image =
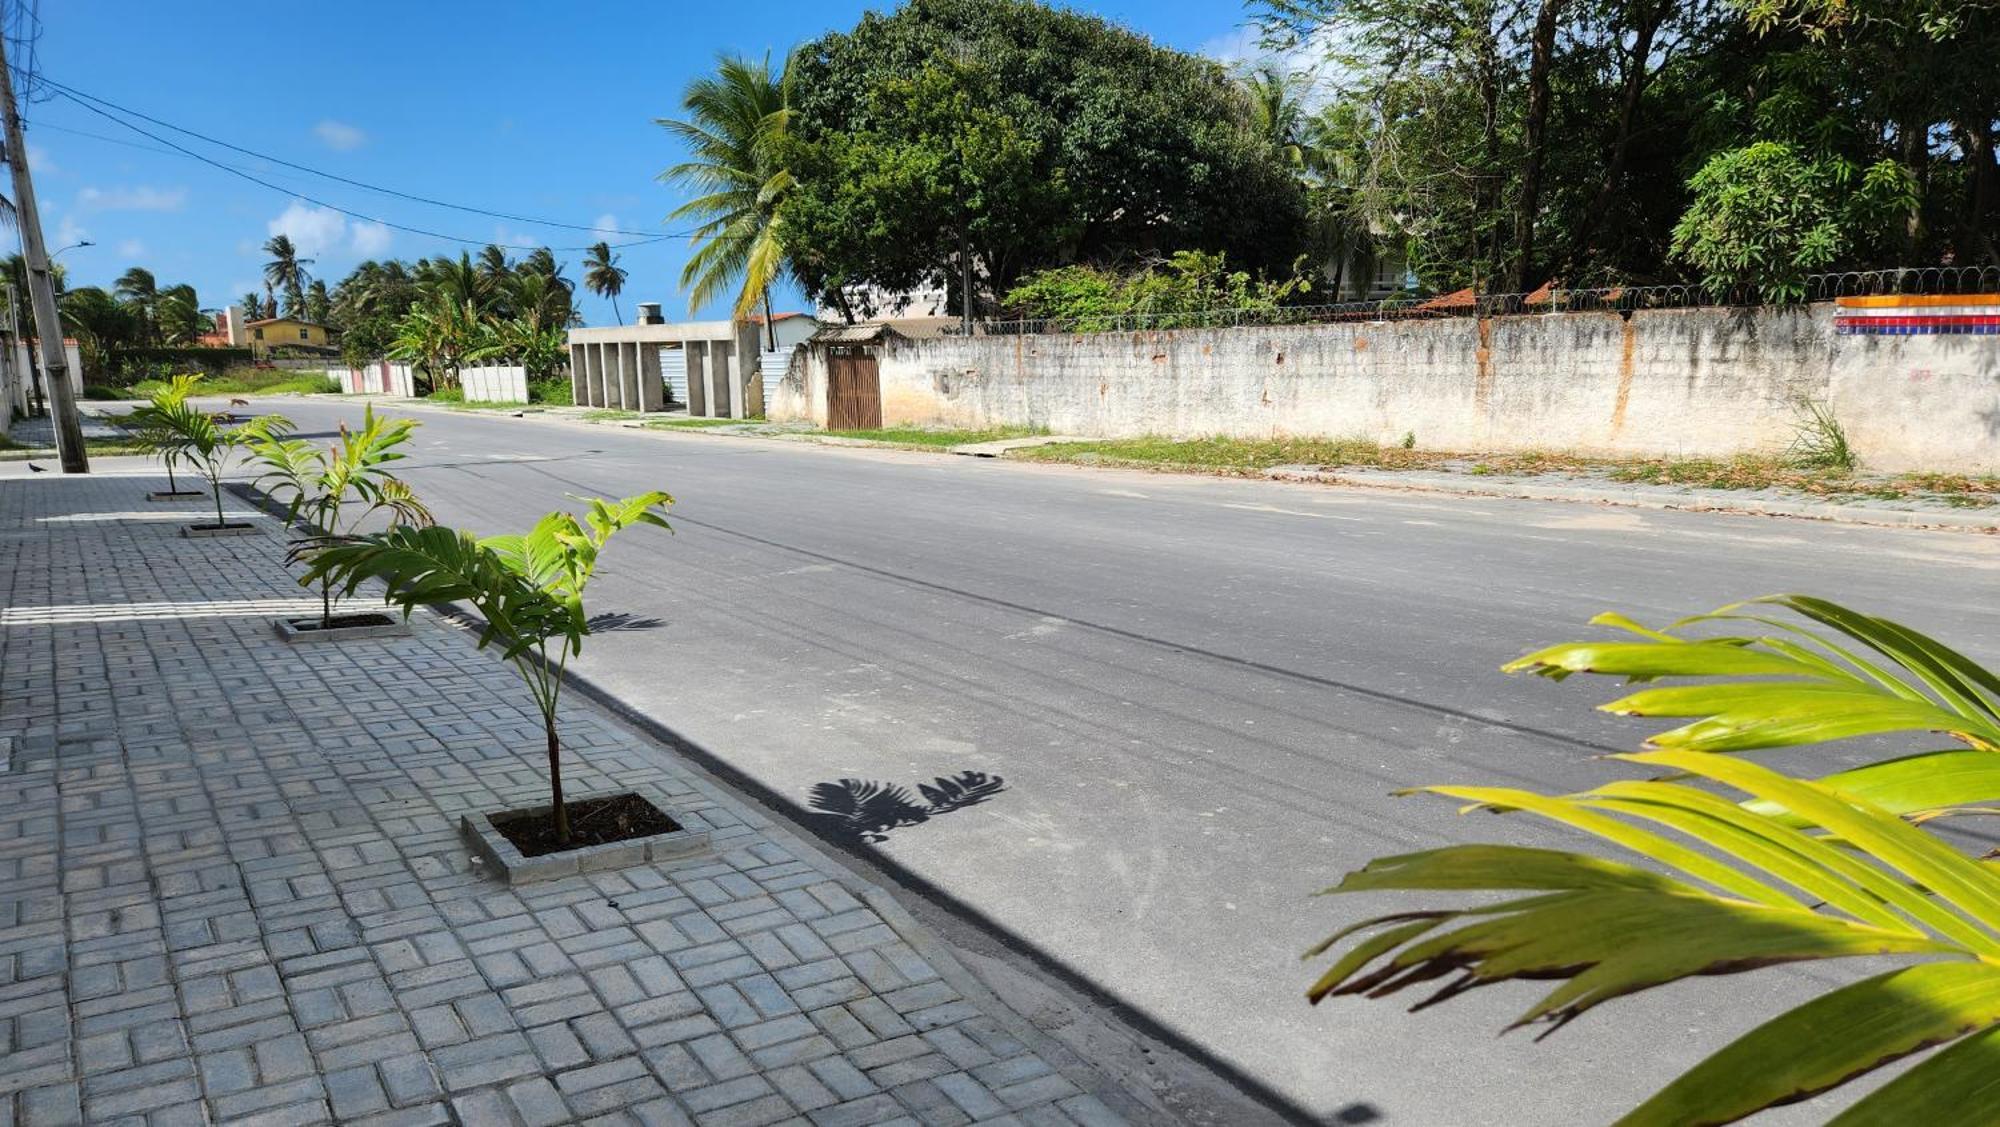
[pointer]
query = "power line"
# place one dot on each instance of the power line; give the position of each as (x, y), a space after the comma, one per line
(349, 212)
(75, 94)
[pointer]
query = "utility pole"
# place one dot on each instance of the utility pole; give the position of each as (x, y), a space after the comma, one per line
(41, 290)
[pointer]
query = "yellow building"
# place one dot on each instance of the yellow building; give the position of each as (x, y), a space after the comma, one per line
(281, 332)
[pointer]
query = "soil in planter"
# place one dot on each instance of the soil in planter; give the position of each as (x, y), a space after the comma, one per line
(343, 621)
(211, 526)
(592, 821)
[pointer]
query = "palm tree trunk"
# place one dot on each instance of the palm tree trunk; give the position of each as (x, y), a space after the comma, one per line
(215, 487)
(326, 603)
(770, 326)
(615, 311)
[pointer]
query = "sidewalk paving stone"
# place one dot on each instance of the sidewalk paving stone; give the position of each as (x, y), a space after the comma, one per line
(232, 888)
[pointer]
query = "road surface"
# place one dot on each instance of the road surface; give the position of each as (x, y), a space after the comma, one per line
(1198, 695)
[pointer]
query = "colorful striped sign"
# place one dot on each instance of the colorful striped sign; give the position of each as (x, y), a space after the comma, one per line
(1903, 315)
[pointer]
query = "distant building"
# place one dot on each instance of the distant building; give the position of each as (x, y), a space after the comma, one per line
(284, 332)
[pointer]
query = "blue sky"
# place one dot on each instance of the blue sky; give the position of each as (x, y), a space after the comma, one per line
(534, 109)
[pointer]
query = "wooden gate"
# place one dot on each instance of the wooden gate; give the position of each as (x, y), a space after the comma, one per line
(853, 390)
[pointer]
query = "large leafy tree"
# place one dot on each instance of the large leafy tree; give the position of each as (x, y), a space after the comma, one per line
(1053, 137)
(1743, 865)
(734, 133)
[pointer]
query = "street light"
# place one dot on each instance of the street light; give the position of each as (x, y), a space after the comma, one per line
(72, 246)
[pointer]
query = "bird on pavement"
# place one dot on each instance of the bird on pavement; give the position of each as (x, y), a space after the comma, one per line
(33, 468)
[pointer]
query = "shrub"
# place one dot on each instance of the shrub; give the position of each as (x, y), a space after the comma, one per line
(554, 391)
(446, 395)
(98, 392)
(1185, 291)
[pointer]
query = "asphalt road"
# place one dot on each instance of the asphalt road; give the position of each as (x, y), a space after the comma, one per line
(1198, 694)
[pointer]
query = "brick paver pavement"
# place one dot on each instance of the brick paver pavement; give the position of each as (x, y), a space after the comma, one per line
(232, 888)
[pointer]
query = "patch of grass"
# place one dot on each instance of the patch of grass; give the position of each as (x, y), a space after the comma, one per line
(932, 437)
(490, 405)
(1229, 455)
(608, 414)
(694, 423)
(446, 395)
(1746, 471)
(103, 446)
(251, 381)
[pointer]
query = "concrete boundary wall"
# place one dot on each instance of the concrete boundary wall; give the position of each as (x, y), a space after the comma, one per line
(494, 383)
(1688, 383)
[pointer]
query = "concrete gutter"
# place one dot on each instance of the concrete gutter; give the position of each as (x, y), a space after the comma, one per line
(1695, 500)
(1000, 446)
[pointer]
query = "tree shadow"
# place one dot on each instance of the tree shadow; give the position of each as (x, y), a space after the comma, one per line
(612, 622)
(866, 811)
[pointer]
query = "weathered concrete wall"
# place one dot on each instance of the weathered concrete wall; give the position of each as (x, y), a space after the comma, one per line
(1696, 382)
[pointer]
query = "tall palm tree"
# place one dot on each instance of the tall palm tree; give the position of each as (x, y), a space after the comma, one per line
(1277, 112)
(178, 315)
(736, 120)
(318, 303)
(253, 305)
(603, 277)
(542, 260)
(286, 273)
(140, 292)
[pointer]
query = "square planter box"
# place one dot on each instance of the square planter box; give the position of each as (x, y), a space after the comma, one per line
(301, 630)
(515, 867)
(177, 495)
(232, 528)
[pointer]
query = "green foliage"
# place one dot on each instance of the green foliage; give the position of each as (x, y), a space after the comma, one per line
(528, 589)
(1745, 866)
(1765, 216)
(555, 391)
(1431, 135)
(1187, 290)
(1820, 441)
(179, 433)
(1025, 137)
(319, 484)
(134, 364)
(97, 392)
(246, 380)
(734, 134)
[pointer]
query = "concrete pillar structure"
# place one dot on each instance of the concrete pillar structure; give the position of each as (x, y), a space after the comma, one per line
(697, 368)
(749, 392)
(727, 387)
(628, 376)
(652, 388)
(595, 358)
(579, 384)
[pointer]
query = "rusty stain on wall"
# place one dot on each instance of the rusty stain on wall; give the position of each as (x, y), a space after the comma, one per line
(1624, 379)
(1482, 386)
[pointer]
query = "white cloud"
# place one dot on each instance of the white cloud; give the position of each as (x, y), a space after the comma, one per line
(604, 227)
(39, 162)
(340, 136)
(313, 230)
(141, 198)
(515, 239)
(68, 232)
(131, 248)
(371, 239)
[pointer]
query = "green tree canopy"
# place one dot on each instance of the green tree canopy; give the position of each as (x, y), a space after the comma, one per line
(1029, 136)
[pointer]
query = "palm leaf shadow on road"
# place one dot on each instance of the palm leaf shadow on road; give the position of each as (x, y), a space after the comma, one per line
(861, 810)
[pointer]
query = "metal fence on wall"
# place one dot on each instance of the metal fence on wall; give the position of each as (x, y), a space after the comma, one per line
(1548, 299)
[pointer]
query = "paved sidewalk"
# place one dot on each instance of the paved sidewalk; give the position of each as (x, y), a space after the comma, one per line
(232, 888)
